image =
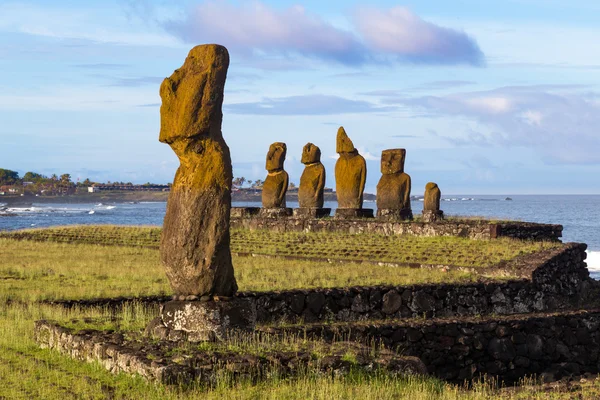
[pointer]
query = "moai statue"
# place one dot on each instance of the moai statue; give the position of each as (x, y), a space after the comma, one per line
(194, 247)
(431, 203)
(312, 183)
(393, 189)
(350, 178)
(276, 183)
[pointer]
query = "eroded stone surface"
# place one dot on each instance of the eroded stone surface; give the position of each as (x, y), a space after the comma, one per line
(277, 212)
(312, 181)
(312, 212)
(393, 189)
(195, 238)
(353, 213)
(350, 173)
(244, 212)
(276, 183)
(209, 320)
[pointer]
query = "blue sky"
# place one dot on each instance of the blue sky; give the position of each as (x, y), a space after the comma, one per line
(494, 97)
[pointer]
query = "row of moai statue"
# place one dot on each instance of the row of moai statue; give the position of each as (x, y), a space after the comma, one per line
(393, 189)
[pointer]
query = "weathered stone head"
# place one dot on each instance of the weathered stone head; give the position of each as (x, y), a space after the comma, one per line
(276, 156)
(310, 154)
(195, 239)
(392, 161)
(343, 143)
(192, 99)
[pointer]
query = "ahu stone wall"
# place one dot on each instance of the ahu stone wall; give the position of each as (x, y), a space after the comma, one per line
(550, 346)
(473, 229)
(556, 280)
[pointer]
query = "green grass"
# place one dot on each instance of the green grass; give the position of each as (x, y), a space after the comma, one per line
(32, 271)
(28, 372)
(407, 249)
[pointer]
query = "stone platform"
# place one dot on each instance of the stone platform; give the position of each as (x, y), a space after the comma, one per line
(311, 212)
(433, 216)
(178, 363)
(351, 213)
(275, 212)
(404, 214)
(198, 320)
(244, 212)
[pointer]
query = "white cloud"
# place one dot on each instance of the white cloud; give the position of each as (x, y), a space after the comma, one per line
(367, 155)
(566, 131)
(398, 31)
(254, 26)
(377, 35)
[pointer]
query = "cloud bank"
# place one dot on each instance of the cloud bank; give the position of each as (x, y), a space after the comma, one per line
(559, 122)
(395, 35)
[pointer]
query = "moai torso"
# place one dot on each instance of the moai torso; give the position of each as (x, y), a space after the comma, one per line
(433, 195)
(194, 248)
(276, 183)
(312, 181)
(393, 189)
(350, 173)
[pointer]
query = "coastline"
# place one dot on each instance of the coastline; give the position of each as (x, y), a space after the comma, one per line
(127, 197)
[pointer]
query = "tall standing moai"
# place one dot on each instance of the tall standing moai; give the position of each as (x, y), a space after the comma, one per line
(276, 184)
(431, 203)
(194, 246)
(350, 178)
(312, 184)
(393, 189)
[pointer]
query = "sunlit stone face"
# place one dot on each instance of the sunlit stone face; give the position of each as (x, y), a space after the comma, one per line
(392, 161)
(276, 156)
(310, 154)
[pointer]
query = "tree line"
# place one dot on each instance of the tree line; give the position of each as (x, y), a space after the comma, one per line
(239, 183)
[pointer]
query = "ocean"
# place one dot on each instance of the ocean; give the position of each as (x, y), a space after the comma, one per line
(579, 214)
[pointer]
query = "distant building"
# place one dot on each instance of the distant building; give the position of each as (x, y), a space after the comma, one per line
(93, 189)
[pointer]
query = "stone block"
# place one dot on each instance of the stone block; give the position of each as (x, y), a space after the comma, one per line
(277, 212)
(244, 212)
(350, 213)
(404, 214)
(212, 320)
(306, 212)
(432, 216)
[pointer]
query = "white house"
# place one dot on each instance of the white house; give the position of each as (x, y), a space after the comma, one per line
(93, 189)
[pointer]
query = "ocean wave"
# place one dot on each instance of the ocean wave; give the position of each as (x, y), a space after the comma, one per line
(593, 260)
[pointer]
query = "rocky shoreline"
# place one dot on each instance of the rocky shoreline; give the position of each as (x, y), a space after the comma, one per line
(125, 197)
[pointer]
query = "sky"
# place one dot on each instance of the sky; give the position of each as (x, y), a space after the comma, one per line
(495, 97)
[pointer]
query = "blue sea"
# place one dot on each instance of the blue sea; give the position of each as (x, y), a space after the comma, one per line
(579, 214)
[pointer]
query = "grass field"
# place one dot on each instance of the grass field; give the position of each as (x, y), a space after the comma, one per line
(350, 247)
(31, 271)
